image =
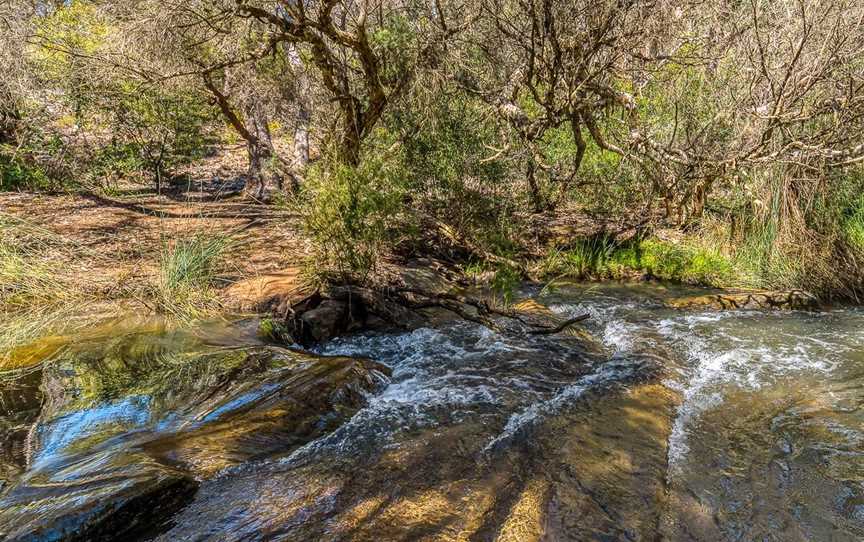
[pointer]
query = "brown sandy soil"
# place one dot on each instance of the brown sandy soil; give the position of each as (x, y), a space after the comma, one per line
(117, 240)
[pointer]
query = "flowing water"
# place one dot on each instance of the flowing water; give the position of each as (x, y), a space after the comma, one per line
(675, 425)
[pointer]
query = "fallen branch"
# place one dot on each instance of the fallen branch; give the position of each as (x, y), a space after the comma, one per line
(390, 304)
(560, 327)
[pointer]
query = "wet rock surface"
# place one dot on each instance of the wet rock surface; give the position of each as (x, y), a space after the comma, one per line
(20, 402)
(762, 300)
(126, 429)
(477, 459)
(679, 425)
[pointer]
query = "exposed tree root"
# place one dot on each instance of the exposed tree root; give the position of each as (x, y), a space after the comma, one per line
(351, 308)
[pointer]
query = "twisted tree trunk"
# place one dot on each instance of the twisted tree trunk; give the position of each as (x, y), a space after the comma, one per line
(263, 178)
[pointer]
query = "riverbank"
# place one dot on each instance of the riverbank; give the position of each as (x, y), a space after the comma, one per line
(195, 252)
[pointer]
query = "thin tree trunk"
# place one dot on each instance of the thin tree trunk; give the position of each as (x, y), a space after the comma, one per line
(263, 178)
(536, 197)
(301, 139)
(303, 116)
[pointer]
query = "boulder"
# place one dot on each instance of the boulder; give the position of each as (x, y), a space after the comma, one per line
(323, 322)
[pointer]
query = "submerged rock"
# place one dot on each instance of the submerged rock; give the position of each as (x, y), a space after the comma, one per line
(129, 428)
(587, 462)
(127, 500)
(772, 300)
(20, 402)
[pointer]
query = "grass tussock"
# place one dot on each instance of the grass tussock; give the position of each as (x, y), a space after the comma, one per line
(598, 259)
(188, 271)
(26, 279)
(32, 268)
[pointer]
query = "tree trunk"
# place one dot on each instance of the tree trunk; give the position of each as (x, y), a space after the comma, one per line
(9, 120)
(301, 139)
(302, 117)
(263, 179)
(534, 188)
(352, 134)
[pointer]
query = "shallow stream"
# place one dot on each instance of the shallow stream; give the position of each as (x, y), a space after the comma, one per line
(675, 425)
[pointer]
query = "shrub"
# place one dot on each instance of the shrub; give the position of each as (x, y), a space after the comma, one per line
(600, 258)
(17, 174)
(853, 226)
(351, 213)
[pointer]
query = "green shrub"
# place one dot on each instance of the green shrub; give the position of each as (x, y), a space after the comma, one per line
(17, 174)
(600, 258)
(35, 163)
(505, 282)
(352, 214)
(853, 226)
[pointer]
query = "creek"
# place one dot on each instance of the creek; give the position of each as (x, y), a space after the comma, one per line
(672, 425)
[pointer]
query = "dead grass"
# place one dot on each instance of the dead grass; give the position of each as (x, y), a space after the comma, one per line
(80, 249)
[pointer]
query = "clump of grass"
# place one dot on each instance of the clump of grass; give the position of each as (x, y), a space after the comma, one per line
(853, 227)
(27, 274)
(585, 259)
(187, 272)
(685, 263)
(23, 278)
(603, 259)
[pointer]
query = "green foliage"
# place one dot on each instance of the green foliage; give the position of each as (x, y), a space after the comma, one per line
(584, 259)
(131, 126)
(352, 213)
(444, 140)
(759, 257)
(116, 160)
(678, 262)
(74, 31)
(155, 129)
(454, 175)
(600, 258)
(394, 41)
(35, 163)
(853, 226)
(17, 174)
(273, 330)
(505, 281)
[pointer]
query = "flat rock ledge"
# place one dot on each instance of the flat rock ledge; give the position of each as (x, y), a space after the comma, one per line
(752, 300)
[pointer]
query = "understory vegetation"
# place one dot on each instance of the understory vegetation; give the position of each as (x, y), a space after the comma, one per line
(38, 285)
(702, 142)
(188, 269)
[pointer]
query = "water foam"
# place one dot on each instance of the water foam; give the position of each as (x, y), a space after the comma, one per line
(721, 358)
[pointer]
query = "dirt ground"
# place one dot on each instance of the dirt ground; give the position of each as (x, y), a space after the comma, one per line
(119, 238)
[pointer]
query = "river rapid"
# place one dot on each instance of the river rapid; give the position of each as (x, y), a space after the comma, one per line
(670, 425)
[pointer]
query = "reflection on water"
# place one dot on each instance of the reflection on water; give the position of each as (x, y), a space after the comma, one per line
(121, 421)
(689, 426)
